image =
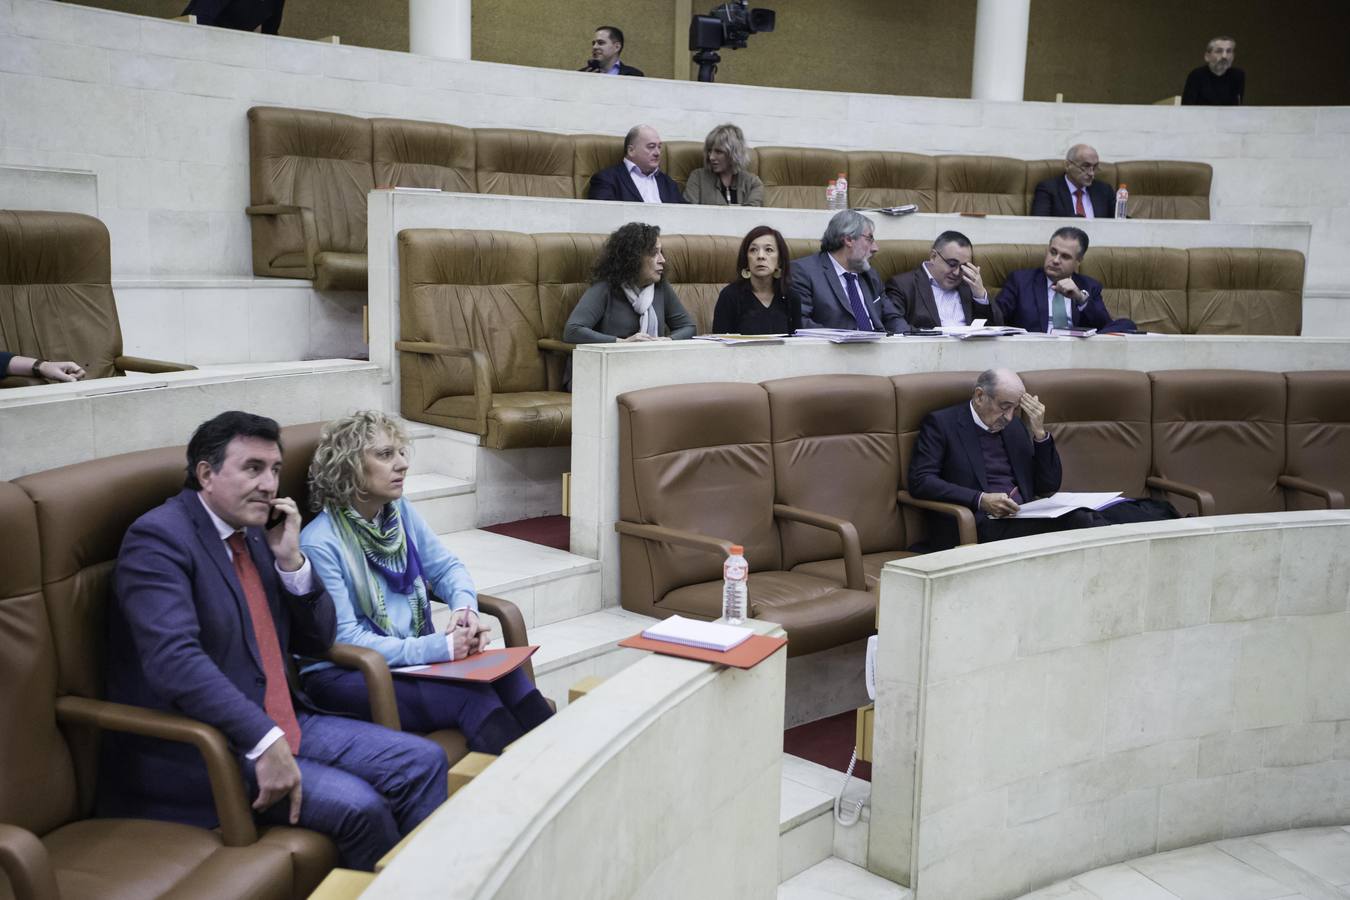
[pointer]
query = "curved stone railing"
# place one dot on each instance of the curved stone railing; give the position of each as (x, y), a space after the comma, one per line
(661, 782)
(1054, 704)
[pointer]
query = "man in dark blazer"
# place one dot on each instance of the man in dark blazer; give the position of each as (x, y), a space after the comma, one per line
(1035, 299)
(241, 15)
(206, 608)
(945, 290)
(638, 176)
(606, 45)
(1077, 192)
(990, 455)
(838, 287)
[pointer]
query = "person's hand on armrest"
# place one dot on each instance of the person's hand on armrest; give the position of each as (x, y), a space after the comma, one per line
(278, 775)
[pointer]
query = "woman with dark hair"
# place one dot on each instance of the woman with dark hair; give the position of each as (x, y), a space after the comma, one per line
(629, 300)
(760, 301)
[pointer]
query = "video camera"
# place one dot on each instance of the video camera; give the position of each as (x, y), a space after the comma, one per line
(728, 25)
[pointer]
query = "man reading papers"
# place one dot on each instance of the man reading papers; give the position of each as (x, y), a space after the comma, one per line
(994, 453)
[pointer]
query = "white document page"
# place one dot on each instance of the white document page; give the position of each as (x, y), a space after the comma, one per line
(1056, 505)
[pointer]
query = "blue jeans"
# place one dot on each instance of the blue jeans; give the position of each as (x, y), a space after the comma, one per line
(362, 785)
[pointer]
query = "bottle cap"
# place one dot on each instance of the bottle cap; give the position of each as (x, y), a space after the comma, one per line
(831, 181)
(737, 550)
(841, 175)
(1122, 186)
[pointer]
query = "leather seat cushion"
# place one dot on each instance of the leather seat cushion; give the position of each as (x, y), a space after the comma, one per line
(833, 569)
(525, 419)
(452, 741)
(892, 178)
(130, 859)
(335, 271)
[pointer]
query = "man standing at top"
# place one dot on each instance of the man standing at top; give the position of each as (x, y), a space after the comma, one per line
(1077, 193)
(838, 287)
(605, 49)
(638, 176)
(1217, 82)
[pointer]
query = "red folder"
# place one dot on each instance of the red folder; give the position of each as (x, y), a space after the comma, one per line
(745, 655)
(486, 666)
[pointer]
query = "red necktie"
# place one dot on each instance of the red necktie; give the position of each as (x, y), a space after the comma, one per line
(1078, 202)
(277, 699)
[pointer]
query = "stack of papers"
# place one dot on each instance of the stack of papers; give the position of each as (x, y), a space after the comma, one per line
(741, 338)
(693, 633)
(840, 335)
(1073, 332)
(967, 332)
(1056, 505)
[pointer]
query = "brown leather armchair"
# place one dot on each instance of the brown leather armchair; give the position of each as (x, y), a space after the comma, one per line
(405, 153)
(1166, 189)
(471, 328)
(524, 163)
(795, 177)
(836, 453)
(1244, 291)
(1146, 284)
(56, 297)
(698, 267)
(1317, 440)
(590, 154)
(995, 185)
(310, 173)
(691, 485)
(891, 178)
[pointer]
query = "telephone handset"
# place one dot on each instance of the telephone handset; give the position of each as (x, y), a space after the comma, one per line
(870, 678)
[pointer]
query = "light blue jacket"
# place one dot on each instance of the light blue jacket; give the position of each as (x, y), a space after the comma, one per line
(442, 573)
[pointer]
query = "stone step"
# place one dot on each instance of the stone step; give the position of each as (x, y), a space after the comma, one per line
(834, 879)
(848, 842)
(448, 504)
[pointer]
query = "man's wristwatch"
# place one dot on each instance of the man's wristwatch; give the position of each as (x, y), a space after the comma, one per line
(37, 364)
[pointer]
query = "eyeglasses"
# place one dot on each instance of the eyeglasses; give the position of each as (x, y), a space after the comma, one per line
(949, 263)
(1084, 167)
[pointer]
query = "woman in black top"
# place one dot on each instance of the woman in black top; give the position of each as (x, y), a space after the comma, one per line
(760, 301)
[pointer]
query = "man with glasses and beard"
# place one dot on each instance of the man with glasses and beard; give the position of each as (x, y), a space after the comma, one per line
(1077, 193)
(946, 289)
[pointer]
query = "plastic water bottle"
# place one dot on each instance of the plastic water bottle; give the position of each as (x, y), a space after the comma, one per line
(841, 191)
(1122, 201)
(735, 575)
(832, 195)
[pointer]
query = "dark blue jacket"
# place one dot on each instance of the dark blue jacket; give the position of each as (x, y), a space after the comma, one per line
(1024, 305)
(615, 183)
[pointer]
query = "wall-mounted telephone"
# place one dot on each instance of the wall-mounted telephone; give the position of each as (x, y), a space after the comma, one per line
(870, 678)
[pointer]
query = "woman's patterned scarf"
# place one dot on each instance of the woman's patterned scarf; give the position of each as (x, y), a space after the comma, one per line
(381, 548)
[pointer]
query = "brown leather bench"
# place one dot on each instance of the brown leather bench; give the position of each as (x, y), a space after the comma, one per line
(797, 470)
(505, 296)
(310, 172)
(56, 296)
(64, 527)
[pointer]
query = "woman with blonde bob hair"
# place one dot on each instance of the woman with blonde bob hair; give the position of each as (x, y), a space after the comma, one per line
(381, 563)
(725, 178)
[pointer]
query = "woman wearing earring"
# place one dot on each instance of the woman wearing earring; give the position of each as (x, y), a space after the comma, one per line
(380, 563)
(760, 301)
(724, 179)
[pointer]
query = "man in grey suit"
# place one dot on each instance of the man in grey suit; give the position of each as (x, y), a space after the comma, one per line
(837, 286)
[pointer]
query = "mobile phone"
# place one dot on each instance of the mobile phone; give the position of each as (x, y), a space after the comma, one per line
(275, 518)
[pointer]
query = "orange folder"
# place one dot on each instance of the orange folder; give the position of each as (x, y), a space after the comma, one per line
(486, 666)
(746, 655)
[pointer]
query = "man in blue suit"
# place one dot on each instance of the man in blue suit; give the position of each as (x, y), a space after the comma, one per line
(838, 287)
(206, 608)
(991, 454)
(1056, 295)
(637, 177)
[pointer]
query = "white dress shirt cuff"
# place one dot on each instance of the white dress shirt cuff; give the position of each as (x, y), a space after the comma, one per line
(300, 582)
(268, 740)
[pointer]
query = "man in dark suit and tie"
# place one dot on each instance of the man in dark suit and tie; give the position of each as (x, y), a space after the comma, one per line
(638, 176)
(207, 607)
(838, 287)
(991, 455)
(945, 290)
(1056, 295)
(1077, 192)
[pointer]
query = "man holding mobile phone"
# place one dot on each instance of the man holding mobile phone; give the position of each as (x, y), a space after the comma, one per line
(946, 289)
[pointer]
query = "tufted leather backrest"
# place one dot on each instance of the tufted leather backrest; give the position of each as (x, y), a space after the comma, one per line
(1166, 189)
(476, 289)
(796, 177)
(590, 154)
(56, 298)
(835, 452)
(679, 158)
(995, 185)
(996, 261)
(524, 163)
(695, 457)
(897, 257)
(37, 779)
(1222, 430)
(318, 160)
(1102, 424)
(698, 267)
(423, 154)
(565, 263)
(1146, 284)
(891, 178)
(1317, 435)
(1244, 291)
